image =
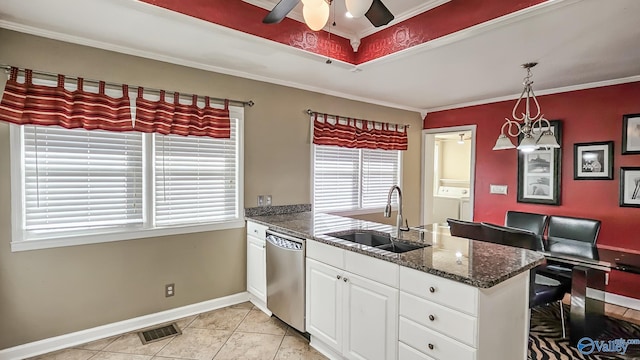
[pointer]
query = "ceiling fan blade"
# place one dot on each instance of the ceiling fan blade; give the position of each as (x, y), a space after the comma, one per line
(280, 11)
(378, 14)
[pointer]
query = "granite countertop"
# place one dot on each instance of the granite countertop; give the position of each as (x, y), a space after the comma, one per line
(475, 263)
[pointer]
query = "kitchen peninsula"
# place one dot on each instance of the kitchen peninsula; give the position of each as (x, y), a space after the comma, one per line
(451, 298)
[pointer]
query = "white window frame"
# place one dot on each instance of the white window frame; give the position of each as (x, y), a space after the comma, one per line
(62, 239)
(359, 211)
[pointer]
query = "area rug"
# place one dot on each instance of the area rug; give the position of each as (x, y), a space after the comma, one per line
(546, 342)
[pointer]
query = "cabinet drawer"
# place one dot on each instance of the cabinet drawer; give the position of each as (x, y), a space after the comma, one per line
(433, 344)
(445, 292)
(455, 324)
(257, 230)
(375, 269)
(406, 352)
(327, 254)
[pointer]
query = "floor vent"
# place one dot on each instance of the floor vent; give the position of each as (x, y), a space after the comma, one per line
(159, 333)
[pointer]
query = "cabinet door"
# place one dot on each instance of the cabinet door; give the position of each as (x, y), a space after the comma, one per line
(256, 268)
(324, 303)
(371, 319)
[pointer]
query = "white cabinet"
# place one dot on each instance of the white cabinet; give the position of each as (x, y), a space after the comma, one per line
(324, 303)
(442, 319)
(371, 315)
(349, 315)
(256, 264)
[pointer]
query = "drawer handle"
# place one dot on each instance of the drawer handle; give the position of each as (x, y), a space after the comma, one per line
(345, 279)
(430, 346)
(432, 289)
(432, 318)
(338, 277)
(255, 231)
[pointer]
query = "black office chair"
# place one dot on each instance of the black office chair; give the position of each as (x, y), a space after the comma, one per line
(569, 236)
(542, 290)
(535, 223)
(465, 229)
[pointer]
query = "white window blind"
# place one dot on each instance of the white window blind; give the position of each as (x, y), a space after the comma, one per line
(80, 180)
(351, 179)
(336, 178)
(379, 173)
(195, 178)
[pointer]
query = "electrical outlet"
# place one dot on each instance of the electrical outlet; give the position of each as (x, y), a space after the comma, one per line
(169, 290)
(268, 202)
(260, 200)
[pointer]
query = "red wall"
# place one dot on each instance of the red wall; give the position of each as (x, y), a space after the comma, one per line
(587, 116)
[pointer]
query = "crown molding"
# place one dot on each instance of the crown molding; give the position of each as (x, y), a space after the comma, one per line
(198, 65)
(475, 30)
(539, 93)
(428, 5)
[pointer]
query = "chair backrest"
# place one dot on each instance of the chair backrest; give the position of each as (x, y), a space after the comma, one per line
(579, 229)
(535, 223)
(465, 229)
(511, 236)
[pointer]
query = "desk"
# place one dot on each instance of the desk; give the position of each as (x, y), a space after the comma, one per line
(590, 267)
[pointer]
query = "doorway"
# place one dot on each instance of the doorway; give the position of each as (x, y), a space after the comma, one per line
(448, 170)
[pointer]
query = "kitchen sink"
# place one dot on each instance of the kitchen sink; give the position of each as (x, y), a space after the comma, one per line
(365, 238)
(377, 240)
(400, 247)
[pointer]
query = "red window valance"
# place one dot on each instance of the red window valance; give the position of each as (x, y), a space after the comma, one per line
(363, 134)
(181, 119)
(30, 104)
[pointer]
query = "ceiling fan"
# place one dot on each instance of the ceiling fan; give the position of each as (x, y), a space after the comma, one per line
(377, 13)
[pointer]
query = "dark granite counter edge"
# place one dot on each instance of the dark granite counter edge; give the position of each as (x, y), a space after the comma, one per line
(282, 230)
(395, 258)
(474, 283)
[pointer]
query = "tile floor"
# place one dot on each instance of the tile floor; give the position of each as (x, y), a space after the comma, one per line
(235, 332)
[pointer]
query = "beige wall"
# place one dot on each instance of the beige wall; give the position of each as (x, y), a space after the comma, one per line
(455, 159)
(44, 293)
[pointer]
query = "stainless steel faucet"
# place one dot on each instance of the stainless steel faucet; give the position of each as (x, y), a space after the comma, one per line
(387, 210)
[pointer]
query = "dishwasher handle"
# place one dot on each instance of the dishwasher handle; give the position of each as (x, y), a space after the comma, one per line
(285, 243)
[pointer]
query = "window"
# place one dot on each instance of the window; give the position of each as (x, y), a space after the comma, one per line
(77, 186)
(195, 179)
(353, 179)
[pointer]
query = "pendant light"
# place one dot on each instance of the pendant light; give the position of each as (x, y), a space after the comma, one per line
(535, 129)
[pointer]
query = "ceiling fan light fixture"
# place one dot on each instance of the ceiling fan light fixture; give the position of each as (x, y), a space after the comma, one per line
(316, 17)
(312, 3)
(358, 8)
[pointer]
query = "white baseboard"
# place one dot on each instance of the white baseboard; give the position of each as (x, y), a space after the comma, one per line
(620, 300)
(100, 332)
(324, 349)
(259, 304)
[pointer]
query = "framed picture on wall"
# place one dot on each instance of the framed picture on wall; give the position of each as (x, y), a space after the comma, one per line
(631, 134)
(630, 186)
(539, 171)
(593, 161)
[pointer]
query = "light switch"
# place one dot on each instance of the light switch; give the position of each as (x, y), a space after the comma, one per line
(498, 189)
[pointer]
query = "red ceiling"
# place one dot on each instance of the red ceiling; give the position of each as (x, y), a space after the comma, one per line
(445, 19)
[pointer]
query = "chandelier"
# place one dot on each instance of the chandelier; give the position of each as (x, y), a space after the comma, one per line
(316, 12)
(535, 129)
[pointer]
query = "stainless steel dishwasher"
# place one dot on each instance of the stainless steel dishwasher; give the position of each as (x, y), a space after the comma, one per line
(286, 278)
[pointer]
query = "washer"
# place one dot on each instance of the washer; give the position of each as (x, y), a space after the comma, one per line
(448, 203)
